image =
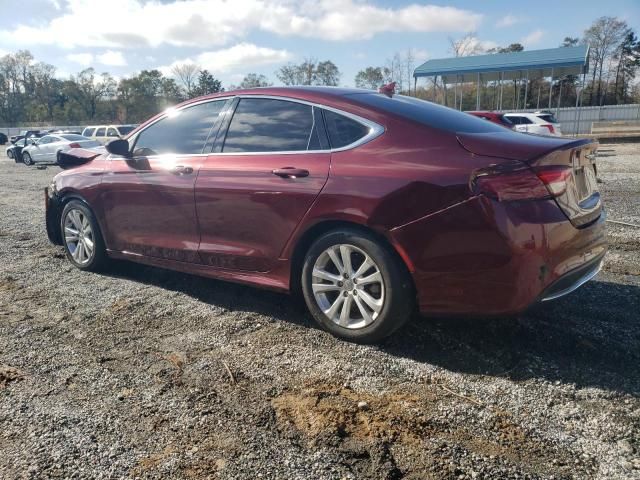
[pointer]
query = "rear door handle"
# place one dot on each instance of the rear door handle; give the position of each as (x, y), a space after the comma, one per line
(290, 172)
(181, 170)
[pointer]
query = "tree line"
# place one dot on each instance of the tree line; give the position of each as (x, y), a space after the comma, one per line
(30, 92)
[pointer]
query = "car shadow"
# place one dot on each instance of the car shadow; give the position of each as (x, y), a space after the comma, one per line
(589, 338)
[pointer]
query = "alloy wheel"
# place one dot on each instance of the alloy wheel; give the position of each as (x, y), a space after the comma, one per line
(78, 236)
(348, 286)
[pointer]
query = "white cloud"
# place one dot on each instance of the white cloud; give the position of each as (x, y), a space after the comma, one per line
(207, 23)
(508, 21)
(84, 59)
(533, 38)
(243, 56)
(112, 58)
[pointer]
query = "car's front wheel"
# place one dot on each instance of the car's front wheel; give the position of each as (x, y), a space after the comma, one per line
(356, 287)
(10, 154)
(81, 237)
(26, 159)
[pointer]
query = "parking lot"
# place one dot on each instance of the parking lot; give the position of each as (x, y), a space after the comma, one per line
(154, 374)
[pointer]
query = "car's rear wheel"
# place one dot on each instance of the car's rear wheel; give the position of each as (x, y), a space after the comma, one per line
(355, 287)
(26, 159)
(10, 154)
(81, 237)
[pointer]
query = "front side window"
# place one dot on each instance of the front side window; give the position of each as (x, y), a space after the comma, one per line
(111, 132)
(182, 131)
(88, 132)
(100, 132)
(45, 140)
(271, 125)
(343, 130)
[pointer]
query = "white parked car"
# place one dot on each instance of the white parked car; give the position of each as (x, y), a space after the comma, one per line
(47, 148)
(539, 123)
(105, 133)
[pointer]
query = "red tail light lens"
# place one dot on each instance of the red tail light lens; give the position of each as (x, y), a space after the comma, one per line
(550, 127)
(521, 183)
(75, 145)
(555, 178)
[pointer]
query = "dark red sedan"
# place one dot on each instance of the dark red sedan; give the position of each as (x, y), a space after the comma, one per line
(370, 205)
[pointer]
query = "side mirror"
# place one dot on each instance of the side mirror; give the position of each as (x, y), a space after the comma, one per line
(118, 147)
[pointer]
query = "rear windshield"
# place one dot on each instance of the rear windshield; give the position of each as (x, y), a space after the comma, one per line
(427, 113)
(125, 130)
(72, 137)
(548, 117)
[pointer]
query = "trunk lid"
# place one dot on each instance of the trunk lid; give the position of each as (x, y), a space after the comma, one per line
(580, 201)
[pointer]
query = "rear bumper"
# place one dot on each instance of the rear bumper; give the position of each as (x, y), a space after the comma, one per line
(483, 257)
(572, 280)
(53, 209)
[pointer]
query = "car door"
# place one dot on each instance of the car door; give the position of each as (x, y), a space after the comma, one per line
(40, 149)
(51, 149)
(148, 199)
(267, 168)
(101, 135)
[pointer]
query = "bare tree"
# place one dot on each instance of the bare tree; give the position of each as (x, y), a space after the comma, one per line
(604, 37)
(465, 46)
(187, 74)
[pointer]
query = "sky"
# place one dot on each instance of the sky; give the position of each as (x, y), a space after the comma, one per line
(233, 37)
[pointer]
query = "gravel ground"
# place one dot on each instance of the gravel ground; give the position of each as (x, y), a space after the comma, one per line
(144, 373)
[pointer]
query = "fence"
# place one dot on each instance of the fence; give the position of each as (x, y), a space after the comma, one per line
(607, 113)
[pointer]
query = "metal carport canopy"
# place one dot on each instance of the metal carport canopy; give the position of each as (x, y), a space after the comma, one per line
(556, 62)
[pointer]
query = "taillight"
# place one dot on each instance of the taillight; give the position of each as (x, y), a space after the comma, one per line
(550, 127)
(75, 145)
(555, 178)
(509, 182)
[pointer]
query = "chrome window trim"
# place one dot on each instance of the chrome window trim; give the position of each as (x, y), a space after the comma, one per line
(375, 129)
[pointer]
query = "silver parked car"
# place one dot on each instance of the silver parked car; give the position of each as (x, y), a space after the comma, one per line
(47, 149)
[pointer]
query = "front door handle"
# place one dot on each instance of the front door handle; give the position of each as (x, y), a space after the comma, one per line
(291, 172)
(181, 170)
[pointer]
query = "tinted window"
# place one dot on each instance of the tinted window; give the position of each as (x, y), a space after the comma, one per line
(72, 137)
(111, 132)
(342, 130)
(506, 120)
(268, 125)
(88, 132)
(548, 118)
(427, 113)
(100, 132)
(125, 130)
(182, 131)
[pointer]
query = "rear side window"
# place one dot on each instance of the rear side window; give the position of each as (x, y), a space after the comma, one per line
(269, 125)
(100, 132)
(111, 132)
(427, 113)
(342, 130)
(182, 131)
(73, 137)
(548, 118)
(88, 132)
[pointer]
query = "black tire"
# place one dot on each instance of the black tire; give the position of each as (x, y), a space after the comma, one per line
(58, 158)
(397, 287)
(10, 154)
(98, 259)
(26, 159)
